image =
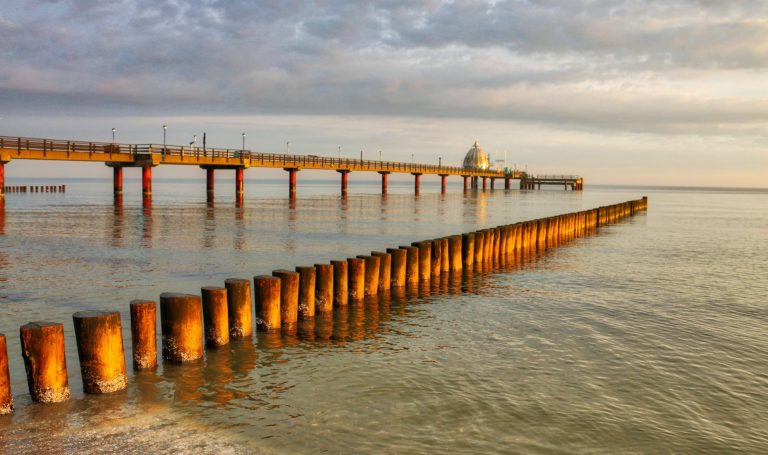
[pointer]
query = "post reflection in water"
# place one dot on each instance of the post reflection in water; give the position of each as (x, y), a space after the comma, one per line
(356, 320)
(340, 324)
(324, 327)
(371, 308)
(209, 228)
(146, 227)
(2, 216)
(239, 241)
(117, 240)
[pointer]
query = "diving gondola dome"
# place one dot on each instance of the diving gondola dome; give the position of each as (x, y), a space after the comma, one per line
(477, 158)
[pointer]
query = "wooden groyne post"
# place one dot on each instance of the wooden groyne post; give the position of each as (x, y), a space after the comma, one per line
(42, 347)
(99, 336)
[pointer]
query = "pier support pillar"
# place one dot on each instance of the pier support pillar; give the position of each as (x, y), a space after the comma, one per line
(384, 181)
(493, 183)
(146, 181)
(292, 180)
(416, 182)
(443, 183)
(506, 183)
(344, 181)
(117, 181)
(485, 183)
(466, 182)
(209, 183)
(239, 179)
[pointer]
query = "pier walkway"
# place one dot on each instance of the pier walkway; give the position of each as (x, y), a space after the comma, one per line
(147, 156)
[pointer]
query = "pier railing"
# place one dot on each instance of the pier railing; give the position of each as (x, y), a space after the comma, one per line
(175, 154)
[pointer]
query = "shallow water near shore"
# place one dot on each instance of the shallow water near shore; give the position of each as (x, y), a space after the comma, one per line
(647, 337)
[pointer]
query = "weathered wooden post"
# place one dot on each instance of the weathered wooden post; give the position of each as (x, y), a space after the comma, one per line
(454, 253)
(385, 270)
(372, 266)
(42, 347)
(479, 246)
(356, 278)
(399, 260)
(99, 337)
(239, 307)
(144, 334)
(323, 288)
(181, 321)
(266, 290)
(411, 264)
(425, 259)
(340, 283)
(445, 259)
(6, 397)
(437, 260)
(307, 285)
(216, 315)
(468, 250)
(289, 298)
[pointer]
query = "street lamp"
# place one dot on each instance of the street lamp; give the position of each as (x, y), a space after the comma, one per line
(379, 155)
(165, 129)
(243, 142)
(439, 161)
(113, 135)
(361, 155)
(288, 147)
(339, 152)
(411, 157)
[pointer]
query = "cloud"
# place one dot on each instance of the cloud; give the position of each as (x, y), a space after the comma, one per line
(645, 66)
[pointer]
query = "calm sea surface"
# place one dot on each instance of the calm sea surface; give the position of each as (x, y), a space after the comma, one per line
(649, 337)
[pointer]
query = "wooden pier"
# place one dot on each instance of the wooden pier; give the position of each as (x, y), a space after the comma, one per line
(531, 182)
(146, 156)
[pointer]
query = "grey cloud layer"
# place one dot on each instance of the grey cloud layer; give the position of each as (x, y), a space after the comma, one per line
(603, 64)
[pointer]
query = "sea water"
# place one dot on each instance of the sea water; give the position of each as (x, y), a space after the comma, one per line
(647, 337)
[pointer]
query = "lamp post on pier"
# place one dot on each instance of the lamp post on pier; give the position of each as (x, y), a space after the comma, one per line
(165, 129)
(243, 149)
(113, 135)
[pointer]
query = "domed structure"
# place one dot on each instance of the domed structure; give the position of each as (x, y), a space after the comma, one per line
(477, 158)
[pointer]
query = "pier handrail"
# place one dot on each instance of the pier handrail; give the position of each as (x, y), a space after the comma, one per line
(162, 152)
(558, 177)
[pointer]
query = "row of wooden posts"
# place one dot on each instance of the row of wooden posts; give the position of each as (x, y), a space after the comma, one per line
(188, 322)
(36, 189)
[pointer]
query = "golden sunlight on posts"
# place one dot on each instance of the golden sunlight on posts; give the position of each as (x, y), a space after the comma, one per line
(216, 316)
(144, 334)
(181, 320)
(267, 301)
(6, 397)
(239, 307)
(99, 336)
(323, 288)
(42, 347)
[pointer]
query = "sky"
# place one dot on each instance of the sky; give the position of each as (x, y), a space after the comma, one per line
(671, 92)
